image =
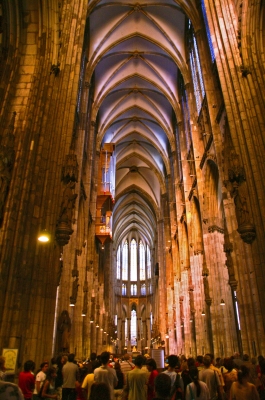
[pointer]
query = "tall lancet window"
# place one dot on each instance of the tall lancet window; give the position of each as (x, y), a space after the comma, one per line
(148, 262)
(133, 327)
(196, 71)
(143, 290)
(119, 263)
(123, 289)
(133, 260)
(125, 261)
(142, 261)
(207, 30)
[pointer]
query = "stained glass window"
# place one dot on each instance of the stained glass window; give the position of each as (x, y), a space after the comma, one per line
(148, 264)
(142, 261)
(133, 265)
(125, 261)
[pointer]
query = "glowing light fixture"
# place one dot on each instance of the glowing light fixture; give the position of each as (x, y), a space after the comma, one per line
(44, 236)
(203, 312)
(222, 303)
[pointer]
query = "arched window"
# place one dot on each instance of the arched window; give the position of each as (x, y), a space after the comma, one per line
(133, 327)
(133, 290)
(143, 290)
(142, 261)
(123, 289)
(125, 261)
(119, 263)
(148, 262)
(196, 71)
(133, 260)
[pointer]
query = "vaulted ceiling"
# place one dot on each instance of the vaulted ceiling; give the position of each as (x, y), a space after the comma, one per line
(136, 52)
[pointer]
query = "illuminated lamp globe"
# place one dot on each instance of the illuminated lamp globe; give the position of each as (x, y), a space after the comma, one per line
(44, 236)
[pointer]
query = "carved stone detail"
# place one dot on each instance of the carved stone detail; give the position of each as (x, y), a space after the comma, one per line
(238, 191)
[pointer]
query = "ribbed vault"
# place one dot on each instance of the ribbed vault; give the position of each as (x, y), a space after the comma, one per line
(136, 54)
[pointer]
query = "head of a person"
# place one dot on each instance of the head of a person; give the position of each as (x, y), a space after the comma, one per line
(260, 358)
(243, 374)
(151, 364)
(51, 373)
(99, 391)
(207, 361)
(29, 366)
(163, 386)
(71, 357)
(245, 357)
(44, 366)
(93, 356)
(253, 361)
(2, 362)
(126, 357)
(184, 365)
(229, 363)
(139, 361)
(218, 361)
(194, 373)
(190, 362)
(211, 357)
(64, 360)
(199, 359)
(173, 361)
(104, 358)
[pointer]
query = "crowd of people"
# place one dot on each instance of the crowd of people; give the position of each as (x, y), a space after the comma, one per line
(108, 377)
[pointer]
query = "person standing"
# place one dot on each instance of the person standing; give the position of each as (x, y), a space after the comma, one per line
(176, 379)
(26, 380)
(120, 376)
(40, 378)
(136, 381)
(48, 390)
(152, 368)
(126, 365)
(242, 389)
(70, 376)
(196, 389)
(210, 377)
(106, 374)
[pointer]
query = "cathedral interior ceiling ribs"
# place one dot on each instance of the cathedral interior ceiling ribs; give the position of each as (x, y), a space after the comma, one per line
(136, 56)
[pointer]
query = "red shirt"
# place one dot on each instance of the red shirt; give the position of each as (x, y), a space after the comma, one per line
(26, 382)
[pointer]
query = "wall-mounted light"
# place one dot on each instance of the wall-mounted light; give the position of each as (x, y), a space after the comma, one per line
(222, 303)
(203, 312)
(83, 314)
(72, 304)
(44, 236)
